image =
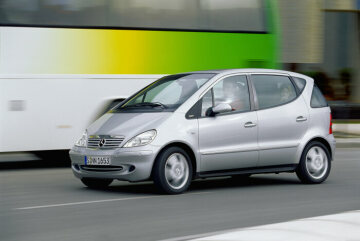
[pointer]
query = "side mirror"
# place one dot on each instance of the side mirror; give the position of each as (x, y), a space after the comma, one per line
(220, 108)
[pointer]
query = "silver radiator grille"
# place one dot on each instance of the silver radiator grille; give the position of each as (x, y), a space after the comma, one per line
(104, 142)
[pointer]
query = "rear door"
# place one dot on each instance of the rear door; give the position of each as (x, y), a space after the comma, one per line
(282, 118)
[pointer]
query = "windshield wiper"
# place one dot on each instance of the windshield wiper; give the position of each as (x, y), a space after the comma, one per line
(151, 104)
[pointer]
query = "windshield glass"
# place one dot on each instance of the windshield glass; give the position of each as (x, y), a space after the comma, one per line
(166, 93)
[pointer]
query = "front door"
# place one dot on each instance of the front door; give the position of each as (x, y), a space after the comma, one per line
(228, 140)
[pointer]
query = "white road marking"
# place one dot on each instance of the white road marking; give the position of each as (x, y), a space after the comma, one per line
(100, 201)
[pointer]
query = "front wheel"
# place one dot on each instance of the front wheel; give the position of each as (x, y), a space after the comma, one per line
(315, 163)
(172, 172)
(96, 183)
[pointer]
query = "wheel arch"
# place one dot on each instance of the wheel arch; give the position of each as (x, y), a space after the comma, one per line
(186, 148)
(322, 141)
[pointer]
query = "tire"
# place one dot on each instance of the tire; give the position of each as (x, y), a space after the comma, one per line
(96, 183)
(172, 172)
(315, 163)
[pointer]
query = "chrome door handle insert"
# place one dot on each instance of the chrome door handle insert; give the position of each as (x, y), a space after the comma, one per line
(301, 119)
(249, 124)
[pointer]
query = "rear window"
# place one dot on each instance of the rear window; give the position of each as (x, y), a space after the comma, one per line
(300, 83)
(317, 98)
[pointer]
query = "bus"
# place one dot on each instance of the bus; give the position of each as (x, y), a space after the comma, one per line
(64, 63)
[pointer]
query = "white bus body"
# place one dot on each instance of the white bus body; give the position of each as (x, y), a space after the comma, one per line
(50, 112)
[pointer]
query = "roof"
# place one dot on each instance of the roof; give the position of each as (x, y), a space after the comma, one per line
(249, 70)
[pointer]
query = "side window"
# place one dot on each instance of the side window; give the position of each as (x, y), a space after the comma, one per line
(317, 99)
(232, 90)
(300, 83)
(206, 102)
(273, 90)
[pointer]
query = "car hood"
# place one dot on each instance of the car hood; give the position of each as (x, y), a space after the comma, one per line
(127, 124)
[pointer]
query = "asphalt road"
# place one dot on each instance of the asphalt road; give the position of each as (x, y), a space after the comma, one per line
(42, 204)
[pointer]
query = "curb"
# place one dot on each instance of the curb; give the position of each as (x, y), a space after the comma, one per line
(347, 142)
(341, 226)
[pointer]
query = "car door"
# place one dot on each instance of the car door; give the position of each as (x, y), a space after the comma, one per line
(228, 140)
(282, 118)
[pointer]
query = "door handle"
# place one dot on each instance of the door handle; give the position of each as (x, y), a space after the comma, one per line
(301, 119)
(249, 124)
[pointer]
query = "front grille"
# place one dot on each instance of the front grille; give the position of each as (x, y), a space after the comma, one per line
(105, 142)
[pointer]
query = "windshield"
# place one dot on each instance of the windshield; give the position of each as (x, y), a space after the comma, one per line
(167, 93)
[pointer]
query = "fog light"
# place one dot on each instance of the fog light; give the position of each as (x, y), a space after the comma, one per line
(76, 167)
(132, 168)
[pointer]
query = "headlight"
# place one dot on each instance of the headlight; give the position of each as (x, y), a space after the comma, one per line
(141, 139)
(82, 141)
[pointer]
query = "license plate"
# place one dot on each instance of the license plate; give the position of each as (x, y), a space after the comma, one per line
(97, 160)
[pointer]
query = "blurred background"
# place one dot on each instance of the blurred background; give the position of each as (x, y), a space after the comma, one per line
(65, 62)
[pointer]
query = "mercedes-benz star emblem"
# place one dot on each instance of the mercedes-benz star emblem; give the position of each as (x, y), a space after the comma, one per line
(102, 142)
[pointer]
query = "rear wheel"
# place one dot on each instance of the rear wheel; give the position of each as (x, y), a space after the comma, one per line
(172, 172)
(315, 163)
(96, 183)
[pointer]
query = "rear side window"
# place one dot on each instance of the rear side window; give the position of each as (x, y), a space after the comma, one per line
(300, 83)
(317, 98)
(273, 90)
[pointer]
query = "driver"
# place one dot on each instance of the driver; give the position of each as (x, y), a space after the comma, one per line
(233, 94)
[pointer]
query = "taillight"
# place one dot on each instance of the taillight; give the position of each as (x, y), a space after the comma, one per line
(330, 127)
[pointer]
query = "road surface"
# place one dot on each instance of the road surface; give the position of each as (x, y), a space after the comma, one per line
(42, 204)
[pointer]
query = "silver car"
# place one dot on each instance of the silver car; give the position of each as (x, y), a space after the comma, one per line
(203, 124)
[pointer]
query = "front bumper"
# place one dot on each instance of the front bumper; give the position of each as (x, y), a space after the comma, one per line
(133, 164)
